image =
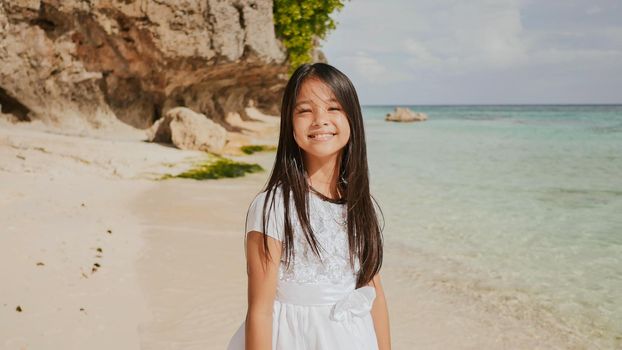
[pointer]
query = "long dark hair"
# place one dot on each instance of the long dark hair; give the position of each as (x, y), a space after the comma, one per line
(364, 232)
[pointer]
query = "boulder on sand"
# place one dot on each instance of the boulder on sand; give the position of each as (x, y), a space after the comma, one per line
(187, 129)
(405, 115)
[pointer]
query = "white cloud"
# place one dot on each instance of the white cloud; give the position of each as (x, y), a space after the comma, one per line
(429, 44)
(594, 10)
(474, 35)
(429, 33)
(370, 69)
(420, 54)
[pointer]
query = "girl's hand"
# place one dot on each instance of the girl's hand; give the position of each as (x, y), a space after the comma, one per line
(380, 315)
(263, 274)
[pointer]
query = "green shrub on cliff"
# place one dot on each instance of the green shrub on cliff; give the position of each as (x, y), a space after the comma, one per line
(298, 22)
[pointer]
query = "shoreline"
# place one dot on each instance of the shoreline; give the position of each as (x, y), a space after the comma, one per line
(490, 315)
(172, 271)
(426, 311)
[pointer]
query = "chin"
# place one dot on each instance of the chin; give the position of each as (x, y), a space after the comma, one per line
(322, 153)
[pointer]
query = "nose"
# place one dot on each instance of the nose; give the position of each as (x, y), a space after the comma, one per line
(320, 117)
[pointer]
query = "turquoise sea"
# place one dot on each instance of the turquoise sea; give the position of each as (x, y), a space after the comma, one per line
(522, 204)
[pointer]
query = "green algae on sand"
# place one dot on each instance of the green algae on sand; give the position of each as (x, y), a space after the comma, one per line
(250, 149)
(216, 169)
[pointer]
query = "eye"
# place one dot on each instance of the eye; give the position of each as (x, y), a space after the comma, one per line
(334, 109)
(300, 111)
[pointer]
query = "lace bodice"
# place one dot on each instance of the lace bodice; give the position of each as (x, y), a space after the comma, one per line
(328, 221)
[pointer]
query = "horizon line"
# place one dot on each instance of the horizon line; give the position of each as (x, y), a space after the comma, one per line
(490, 104)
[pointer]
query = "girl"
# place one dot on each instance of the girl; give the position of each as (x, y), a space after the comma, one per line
(314, 244)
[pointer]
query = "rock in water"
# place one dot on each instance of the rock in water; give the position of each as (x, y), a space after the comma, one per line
(187, 129)
(405, 115)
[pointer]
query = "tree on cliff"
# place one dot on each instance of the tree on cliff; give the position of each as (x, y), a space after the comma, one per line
(297, 23)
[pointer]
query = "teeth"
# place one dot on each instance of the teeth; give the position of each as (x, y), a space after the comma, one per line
(321, 136)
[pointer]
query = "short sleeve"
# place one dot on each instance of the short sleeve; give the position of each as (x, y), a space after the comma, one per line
(274, 214)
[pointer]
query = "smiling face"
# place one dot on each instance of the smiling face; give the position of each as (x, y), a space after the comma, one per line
(321, 127)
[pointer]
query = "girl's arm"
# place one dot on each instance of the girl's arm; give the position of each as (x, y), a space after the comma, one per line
(380, 315)
(262, 280)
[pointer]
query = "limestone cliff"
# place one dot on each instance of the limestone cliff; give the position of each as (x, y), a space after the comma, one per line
(95, 61)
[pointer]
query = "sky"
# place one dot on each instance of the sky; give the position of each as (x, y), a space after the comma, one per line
(480, 51)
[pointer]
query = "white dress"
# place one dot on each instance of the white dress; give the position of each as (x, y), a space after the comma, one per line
(316, 305)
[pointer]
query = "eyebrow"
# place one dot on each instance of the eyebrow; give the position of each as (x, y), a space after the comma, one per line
(307, 101)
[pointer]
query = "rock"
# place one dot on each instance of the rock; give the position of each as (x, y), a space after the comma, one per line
(187, 129)
(99, 62)
(405, 115)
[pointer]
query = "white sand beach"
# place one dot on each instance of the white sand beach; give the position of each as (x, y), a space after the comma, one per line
(170, 270)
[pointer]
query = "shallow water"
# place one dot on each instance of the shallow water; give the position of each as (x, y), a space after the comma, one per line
(526, 200)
